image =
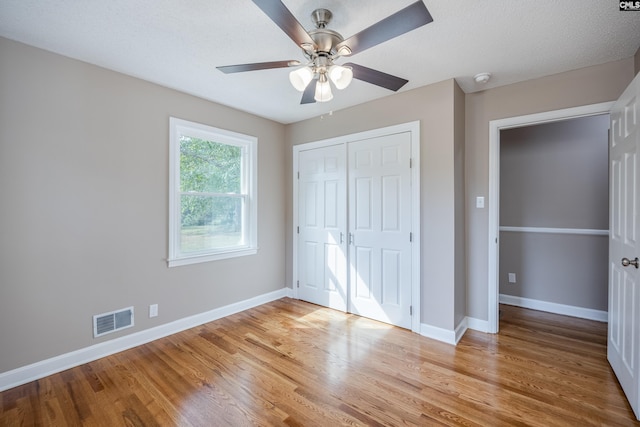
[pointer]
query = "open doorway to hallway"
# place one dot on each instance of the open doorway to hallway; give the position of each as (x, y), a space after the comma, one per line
(543, 210)
(553, 241)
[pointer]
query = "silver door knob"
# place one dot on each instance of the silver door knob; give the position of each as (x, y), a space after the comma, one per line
(626, 262)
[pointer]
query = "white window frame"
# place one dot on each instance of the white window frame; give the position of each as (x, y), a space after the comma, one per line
(249, 144)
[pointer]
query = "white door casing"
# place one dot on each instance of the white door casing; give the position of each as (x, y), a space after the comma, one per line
(624, 277)
(495, 126)
(380, 228)
(322, 220)
(411, 278)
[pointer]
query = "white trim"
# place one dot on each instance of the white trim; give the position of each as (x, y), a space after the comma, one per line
(414, 129)
(552, 307)
(477, 324)
(416, 260)
(453, 337)
(294, 245)
(495, 126)
(460, 330)
(210, 257)
(439, 334)
(62, 362)
(249, 191)
(548, 230)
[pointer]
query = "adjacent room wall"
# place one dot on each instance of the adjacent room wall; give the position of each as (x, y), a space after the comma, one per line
(585, 86)
(83, 182)
(459, 188)
(435, 106)
(555, 176)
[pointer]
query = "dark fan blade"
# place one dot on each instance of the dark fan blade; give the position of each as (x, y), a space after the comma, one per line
(308, 97)
(375, 77)
(409, 18)
(283, 18)
(257, 66)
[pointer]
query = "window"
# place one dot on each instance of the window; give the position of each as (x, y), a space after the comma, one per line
(212, 194)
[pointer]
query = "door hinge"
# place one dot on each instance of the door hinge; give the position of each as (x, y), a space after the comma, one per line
(298, 174)
(410, 310)
(298, 283)
(298, 228)
(410, 163)
(411, 237)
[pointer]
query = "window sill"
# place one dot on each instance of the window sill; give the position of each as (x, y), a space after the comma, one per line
(196, 259)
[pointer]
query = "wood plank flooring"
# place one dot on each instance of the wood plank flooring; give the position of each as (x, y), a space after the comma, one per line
(290, 363)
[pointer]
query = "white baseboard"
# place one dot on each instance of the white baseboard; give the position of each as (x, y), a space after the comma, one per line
(460, 330)
(478, 324)
(62, 362)
(446, 335)
(439, 334)
(551, 307)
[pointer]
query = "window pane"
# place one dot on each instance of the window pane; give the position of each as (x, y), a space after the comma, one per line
(210, 223)
(209, 167)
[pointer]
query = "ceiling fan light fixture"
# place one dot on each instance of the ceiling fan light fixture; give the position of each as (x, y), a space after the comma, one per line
(340, 76)
(323, 89)
(301, 78)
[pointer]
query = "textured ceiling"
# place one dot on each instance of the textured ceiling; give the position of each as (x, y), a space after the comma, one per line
(178, 43)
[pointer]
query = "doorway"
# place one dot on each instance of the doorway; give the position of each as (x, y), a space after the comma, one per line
(356, 224)
(496, 127)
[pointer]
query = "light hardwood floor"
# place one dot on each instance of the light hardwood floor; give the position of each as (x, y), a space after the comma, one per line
(297, 364)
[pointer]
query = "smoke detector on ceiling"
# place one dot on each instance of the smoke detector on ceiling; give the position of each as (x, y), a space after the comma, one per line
(482, 78)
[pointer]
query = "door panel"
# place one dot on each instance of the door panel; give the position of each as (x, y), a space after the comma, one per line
(380, 218)
(624, 301)
(322, 275)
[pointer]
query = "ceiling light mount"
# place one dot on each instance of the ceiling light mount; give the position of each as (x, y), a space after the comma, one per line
(482, 78)
(321, 17)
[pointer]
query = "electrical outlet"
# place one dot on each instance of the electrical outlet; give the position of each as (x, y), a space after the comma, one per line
(512, 277)
(153, 310)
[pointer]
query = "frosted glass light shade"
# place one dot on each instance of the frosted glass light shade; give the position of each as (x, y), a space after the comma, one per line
(340, 76)
(300, 78)
(323, 91)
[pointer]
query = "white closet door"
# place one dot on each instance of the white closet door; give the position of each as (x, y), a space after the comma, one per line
(322, 216)
(623, 343)
(380, 227)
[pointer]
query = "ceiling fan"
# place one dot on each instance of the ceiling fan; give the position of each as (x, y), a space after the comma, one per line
(323, 46)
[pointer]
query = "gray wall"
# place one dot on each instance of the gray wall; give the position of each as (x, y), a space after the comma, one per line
(460, 267)
(84, 209)
(84, 175)
(555, 175)
(441, 163)
(585, 86)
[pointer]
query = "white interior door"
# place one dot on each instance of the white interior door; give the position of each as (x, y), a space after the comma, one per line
(624, 246)
(380, 227)
(322, 218)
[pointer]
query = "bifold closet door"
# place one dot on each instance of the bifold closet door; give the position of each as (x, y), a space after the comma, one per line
(322, 216)
(379, 176)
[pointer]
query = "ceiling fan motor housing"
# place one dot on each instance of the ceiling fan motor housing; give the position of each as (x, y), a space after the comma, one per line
(325, 40)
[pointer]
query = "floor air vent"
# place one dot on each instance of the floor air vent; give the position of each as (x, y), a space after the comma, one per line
(113, 321)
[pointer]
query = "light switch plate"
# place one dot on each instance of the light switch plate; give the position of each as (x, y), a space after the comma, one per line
(153, 310)
(480, 202)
